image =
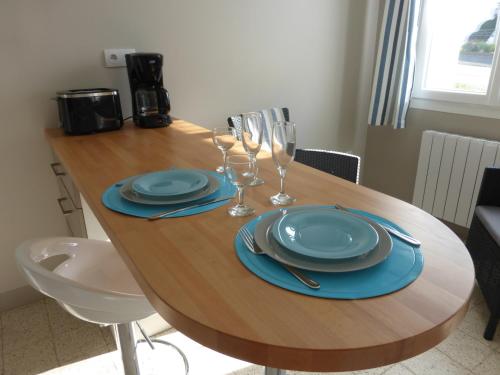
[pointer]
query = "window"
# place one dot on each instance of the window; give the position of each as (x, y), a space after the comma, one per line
(457, 57)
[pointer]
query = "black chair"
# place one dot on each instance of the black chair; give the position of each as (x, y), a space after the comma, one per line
(483, 244)
(337, 163)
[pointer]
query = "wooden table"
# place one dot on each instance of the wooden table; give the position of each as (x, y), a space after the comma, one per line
(190, 273)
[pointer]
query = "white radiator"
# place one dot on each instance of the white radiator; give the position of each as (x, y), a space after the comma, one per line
(449, 173)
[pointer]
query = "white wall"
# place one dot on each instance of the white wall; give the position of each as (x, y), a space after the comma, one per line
(221, 57)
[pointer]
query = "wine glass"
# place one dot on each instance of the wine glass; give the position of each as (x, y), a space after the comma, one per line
(224, 138)
(252, 129)
(240, 170)
(283, 148)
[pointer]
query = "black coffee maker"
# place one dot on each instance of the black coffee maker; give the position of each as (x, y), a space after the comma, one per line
(150, 100)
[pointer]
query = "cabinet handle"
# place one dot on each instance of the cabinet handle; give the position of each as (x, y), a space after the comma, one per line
(60, 202)
(54, 166)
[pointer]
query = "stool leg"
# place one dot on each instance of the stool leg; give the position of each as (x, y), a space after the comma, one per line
(127, 341)
(273, 371)
(151, 341)
(178, 350)
(491, 327)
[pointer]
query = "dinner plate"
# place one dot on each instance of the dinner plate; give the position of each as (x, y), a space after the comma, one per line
(128, 193)
(172, 183)
(265, 240)
(325, 233)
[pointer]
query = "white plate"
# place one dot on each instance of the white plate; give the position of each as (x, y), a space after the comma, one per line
(265, 240)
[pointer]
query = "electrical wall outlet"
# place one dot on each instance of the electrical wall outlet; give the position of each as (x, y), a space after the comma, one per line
(115, 58)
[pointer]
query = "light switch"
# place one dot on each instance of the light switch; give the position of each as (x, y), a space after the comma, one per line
(115, 58)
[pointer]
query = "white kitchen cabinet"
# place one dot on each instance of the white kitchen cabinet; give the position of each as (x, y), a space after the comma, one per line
(92, 225)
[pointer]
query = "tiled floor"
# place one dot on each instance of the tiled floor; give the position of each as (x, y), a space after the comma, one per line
(41, 338)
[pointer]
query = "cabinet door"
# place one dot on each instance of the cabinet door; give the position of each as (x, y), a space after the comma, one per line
(72, 214)
(67, 183)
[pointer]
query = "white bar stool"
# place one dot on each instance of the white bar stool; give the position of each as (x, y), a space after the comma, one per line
(90, 280)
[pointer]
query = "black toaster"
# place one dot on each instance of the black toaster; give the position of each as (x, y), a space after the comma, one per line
(89, 110)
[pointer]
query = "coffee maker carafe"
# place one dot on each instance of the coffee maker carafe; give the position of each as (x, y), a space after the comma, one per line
(150, 100)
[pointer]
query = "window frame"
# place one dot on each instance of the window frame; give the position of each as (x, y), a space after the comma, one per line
(484, 105)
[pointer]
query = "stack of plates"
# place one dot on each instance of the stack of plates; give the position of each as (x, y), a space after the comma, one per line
(323, 239)
(174, 186)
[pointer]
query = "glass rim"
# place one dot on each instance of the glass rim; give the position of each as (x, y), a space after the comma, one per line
(226, 128)
(229, 157)
(281, 123)
(251, 113)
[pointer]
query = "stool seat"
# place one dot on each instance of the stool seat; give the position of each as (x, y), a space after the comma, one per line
(91, 280)
(97, 265)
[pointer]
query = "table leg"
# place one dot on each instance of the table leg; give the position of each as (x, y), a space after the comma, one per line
(274, 371)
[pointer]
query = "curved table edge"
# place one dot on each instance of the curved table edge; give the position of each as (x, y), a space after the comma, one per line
(299, 359)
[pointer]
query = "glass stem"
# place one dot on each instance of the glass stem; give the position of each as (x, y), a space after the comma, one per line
(241, 195)
(254, 162)
(282, 172)
(224, 155)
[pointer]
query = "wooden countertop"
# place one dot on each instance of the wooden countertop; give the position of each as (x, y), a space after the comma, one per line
(189, 271)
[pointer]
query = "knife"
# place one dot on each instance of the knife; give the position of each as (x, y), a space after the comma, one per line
(171, 212)
(396, 233)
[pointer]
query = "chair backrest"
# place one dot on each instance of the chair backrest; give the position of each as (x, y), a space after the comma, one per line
(337, 163)
(490, 187)
(31, 255)
(269, 116)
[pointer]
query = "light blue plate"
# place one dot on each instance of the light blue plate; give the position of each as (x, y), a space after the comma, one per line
(113, 200)
(170, 183)
(325, 233)
(401, 268)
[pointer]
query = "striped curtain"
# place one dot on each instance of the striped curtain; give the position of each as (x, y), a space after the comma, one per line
(393, 79)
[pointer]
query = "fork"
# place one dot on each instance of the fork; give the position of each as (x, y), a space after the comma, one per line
(249, 242)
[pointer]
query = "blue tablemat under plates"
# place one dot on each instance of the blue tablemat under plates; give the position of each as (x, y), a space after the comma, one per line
(112, 199)
(402, 267)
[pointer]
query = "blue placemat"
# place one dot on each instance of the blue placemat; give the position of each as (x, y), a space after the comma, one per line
(112, 199)
(401, 268)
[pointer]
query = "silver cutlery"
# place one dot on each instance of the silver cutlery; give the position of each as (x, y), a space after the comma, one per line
(396, 233)
(247, 238)
(171, 212)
